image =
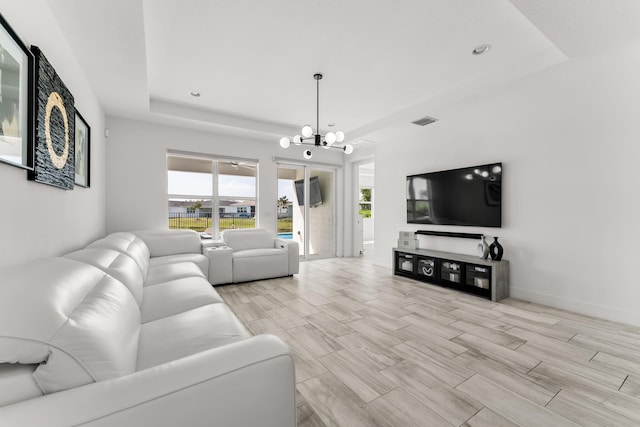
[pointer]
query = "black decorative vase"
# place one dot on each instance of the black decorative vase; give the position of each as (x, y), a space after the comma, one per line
(496, 250)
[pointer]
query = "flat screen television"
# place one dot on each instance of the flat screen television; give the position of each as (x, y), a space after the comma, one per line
(467, 196)
(315, 195)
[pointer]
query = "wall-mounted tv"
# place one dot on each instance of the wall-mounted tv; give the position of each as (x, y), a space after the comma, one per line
(467, 196)
(315, 196)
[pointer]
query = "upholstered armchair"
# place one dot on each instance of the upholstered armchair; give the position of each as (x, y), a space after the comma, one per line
(251, 254)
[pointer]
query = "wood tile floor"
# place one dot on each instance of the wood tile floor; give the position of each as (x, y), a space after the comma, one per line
(373, 349)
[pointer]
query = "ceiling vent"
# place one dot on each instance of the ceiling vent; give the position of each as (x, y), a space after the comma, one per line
(426, 120)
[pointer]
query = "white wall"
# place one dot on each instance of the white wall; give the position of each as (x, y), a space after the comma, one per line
(137, 170)
(38, 220)
(570, 144)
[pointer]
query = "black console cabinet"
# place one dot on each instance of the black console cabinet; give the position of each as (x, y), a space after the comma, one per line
(486, 278)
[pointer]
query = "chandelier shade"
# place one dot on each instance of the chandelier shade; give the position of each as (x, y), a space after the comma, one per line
(307, 137)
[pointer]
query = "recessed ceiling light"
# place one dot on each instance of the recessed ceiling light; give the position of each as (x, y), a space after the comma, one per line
(483, 48)
(194, 94)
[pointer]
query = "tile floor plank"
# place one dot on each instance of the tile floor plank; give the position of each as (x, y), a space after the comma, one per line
(267, 326)
(402, 409)
(500, 338)
(568, 348)
(520, 383)
(629, 406)
(305, 364)
(487, 418)
(449, 371)
(585, 413)
(631, 386)
(453, 405)
(335, 404)
(316, 342)
(516, 360)
(361, 377)
(328, 325)
(369, 350)
(608, 377)
(557, 331)
(566, 380)
(510, 405)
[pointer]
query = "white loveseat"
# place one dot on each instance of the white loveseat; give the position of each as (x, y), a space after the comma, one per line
(128, 331)
(252, 254)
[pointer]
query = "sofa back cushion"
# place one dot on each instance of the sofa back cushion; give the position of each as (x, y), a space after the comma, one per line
(248, 238)
(170, 242)
(77, 322)
(129, 244)
(116, 264)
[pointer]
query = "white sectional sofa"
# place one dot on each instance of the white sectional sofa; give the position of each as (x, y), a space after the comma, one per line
(128, 331)
(252, 254)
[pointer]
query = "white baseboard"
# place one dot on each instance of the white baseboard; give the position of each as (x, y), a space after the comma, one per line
(583, 307)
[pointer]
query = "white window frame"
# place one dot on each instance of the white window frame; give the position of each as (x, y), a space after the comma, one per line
(215, 197)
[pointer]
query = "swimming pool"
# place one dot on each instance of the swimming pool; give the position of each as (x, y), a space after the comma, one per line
(288, 236)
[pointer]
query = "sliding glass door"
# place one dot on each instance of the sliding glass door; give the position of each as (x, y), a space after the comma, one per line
(320, 213)
(306, 208)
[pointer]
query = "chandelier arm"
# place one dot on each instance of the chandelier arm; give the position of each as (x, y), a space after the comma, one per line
(339, 147)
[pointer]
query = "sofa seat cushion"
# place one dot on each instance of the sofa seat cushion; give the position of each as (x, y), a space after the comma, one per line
(256, 264)
(176, 296)
(116, 264)
(166, 272)
(77, 322)
(188, 333)
(198, 259)
(17, 383)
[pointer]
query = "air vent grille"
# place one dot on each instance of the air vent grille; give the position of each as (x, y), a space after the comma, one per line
(424, 121)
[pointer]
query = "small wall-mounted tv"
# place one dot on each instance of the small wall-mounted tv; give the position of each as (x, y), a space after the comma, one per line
(467, 196)
(315, 196)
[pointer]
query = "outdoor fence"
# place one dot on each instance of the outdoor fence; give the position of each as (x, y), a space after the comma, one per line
(203, 220)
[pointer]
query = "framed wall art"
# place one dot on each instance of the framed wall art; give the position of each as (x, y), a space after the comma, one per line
(54, 161)
(16, 99)
(82, 151)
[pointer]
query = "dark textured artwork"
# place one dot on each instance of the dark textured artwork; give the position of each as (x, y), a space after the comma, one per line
(55, 127)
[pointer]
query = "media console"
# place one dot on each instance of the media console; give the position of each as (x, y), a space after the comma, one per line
(483, 277)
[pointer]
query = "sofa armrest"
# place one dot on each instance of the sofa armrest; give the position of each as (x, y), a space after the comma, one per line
(210, 388)
(294, 254)
(220, 264)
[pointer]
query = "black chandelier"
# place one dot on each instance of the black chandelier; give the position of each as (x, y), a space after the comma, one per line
(307, 136)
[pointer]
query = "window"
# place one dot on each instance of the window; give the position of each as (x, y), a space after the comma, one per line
(366, 201)
(210, 195)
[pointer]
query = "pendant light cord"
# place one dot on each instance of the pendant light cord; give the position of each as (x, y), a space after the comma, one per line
(318, 106)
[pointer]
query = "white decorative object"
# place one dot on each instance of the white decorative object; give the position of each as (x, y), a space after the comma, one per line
(483, 248)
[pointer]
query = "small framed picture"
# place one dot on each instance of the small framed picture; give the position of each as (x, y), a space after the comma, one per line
(82, 151)
(16, 99)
